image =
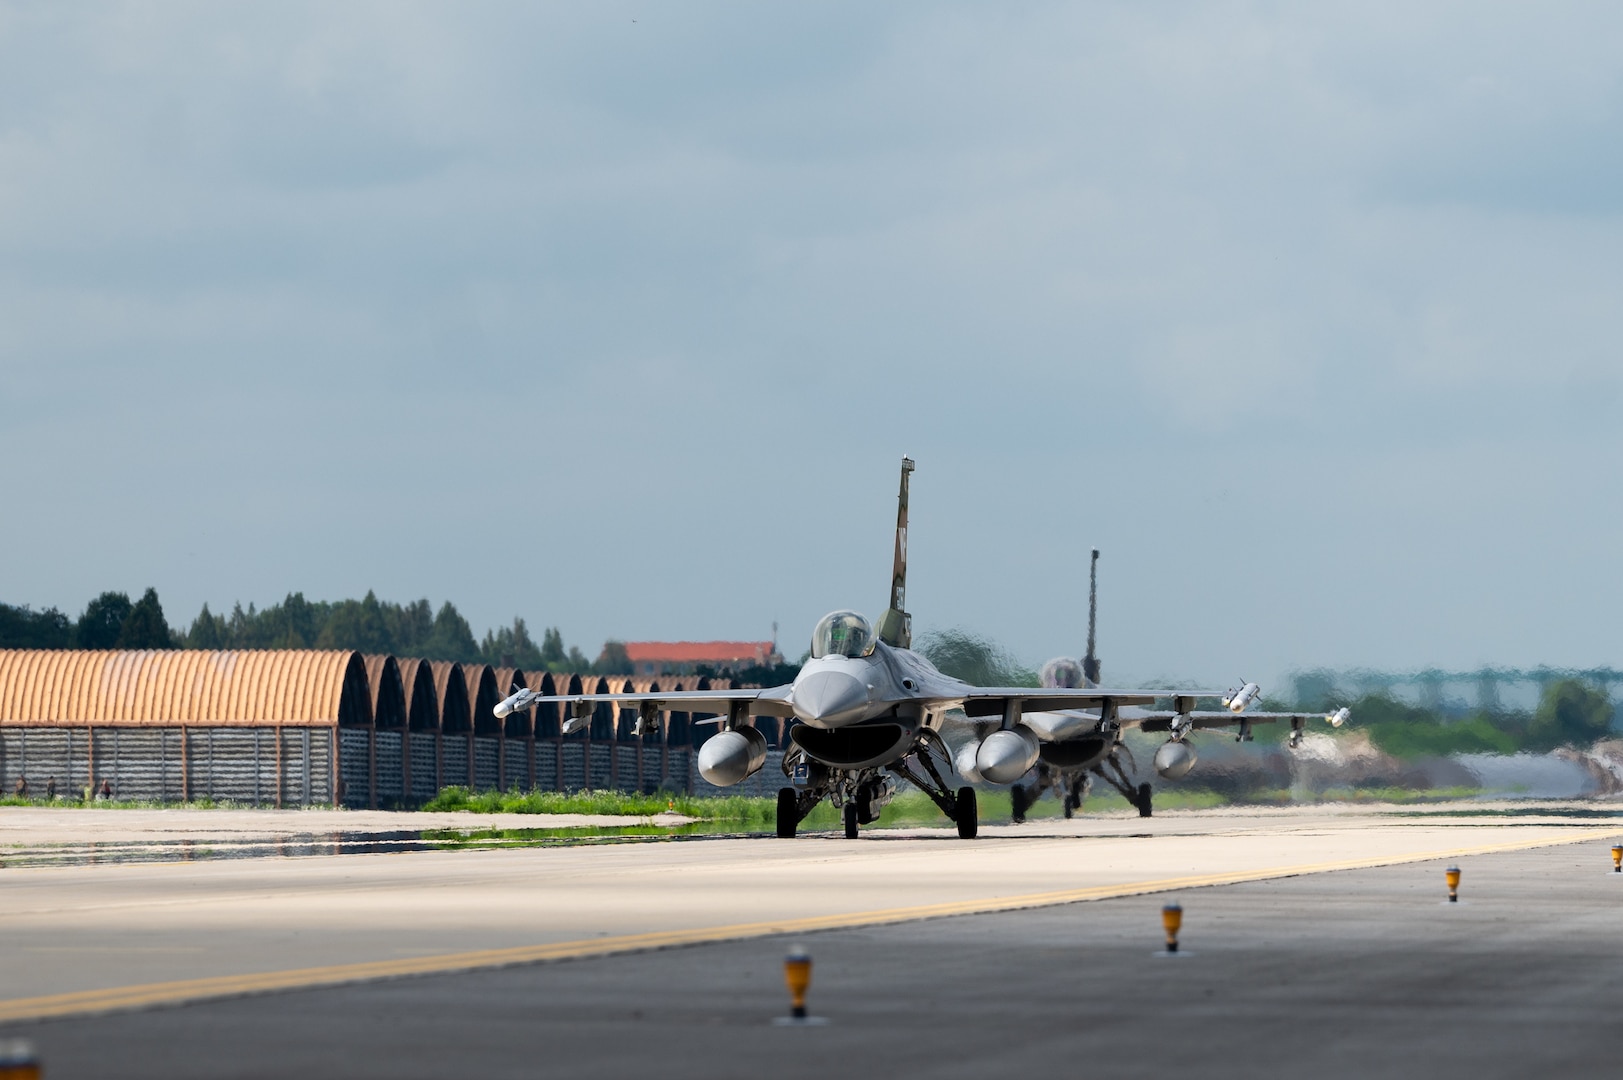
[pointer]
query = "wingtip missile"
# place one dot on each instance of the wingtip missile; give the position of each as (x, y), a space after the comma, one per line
(520, 699)
(1239, 699)
(1339, 717)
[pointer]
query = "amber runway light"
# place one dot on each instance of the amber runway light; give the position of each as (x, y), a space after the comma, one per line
(1617, 858)
(797, 974)
(18, 1060)
(1172, 922)
(1453, 876)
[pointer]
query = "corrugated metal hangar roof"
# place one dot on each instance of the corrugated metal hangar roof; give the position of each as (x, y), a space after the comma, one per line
(149, 687)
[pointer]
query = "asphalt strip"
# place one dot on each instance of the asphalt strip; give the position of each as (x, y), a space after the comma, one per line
(155, 995)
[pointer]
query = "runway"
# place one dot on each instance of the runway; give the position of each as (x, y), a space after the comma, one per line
(1317, 932)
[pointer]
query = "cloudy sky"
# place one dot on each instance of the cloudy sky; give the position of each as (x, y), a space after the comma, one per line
(618, 317)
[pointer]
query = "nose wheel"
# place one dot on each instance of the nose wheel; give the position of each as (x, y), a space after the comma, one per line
(788, 812)
(793, 806)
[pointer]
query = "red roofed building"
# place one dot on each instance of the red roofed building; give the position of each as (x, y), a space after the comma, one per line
(682, 657)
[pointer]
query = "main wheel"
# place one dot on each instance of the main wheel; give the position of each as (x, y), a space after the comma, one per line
(1144, 801)
(968, 816)
(1070, 806)
(1018, 802)
(788, 812)
(850, 821)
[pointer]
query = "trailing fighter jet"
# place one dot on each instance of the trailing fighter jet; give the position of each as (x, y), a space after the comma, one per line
(1075, 745)
(865, 710)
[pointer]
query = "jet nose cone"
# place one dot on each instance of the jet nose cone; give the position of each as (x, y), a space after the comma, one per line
(830, 698)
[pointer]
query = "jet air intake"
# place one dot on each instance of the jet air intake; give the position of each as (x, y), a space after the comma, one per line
(1004, 756)
(732, 756)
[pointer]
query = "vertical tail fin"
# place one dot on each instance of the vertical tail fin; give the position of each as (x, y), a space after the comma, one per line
(1090, 662)
(896, 626)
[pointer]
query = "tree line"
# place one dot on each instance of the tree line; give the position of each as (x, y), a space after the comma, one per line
(1570, 712)
(369, 625)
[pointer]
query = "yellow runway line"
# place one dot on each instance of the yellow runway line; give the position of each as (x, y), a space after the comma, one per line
(150, 995)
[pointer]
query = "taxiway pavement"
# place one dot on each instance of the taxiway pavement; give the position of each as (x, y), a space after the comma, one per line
(1303, 968)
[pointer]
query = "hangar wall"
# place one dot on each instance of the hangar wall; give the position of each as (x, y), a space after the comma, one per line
(310, 727)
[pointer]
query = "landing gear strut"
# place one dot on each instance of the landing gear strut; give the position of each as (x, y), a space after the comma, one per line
(961, 809)
(1139, 795)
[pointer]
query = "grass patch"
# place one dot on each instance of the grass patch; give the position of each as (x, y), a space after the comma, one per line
(736, 808)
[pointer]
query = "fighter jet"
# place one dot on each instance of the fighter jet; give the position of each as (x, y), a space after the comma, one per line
(865, 711)
(1073, 746)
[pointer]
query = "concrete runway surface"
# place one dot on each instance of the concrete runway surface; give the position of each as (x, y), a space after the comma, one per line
(1330, 951)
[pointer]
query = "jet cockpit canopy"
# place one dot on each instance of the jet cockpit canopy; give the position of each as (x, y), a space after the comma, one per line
(1062, 671)
(842, 633)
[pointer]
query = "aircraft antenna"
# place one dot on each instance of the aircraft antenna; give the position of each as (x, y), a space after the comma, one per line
(1090, 662)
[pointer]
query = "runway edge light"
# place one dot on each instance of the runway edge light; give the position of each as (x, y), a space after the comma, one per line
(797, 973)
(1172, 922)
(18, 1060)
(1452, 874)
(1617, 858)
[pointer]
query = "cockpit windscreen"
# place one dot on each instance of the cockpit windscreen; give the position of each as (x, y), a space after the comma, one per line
(1063, 672)
(842, 633)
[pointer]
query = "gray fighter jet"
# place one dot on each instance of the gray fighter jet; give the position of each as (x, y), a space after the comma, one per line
(1073, 746)
(866, 710)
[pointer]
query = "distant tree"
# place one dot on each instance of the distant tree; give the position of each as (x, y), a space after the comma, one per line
(763, 674)
(410, 626)
(576, 660)
(358, 625)
(1570, 713)
(511, 646)
(613, 659)
(977, 660)
(145, 627)
(102, 621)
(23, 628)
(207, 631)
(553, 657)
(1411, 731)
(452, 637)
(239, 626)
(295, 623)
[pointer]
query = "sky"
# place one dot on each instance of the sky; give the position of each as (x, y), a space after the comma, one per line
(618, 317)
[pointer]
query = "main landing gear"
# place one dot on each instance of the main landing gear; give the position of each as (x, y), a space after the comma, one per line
(1110, 770)
(966, 815)
(862, 794)
(1076, 793)
(1072, 785)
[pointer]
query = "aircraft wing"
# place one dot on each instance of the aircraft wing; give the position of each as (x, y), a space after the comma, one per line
(771, 701)
(995, 700)
(1162, 721)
